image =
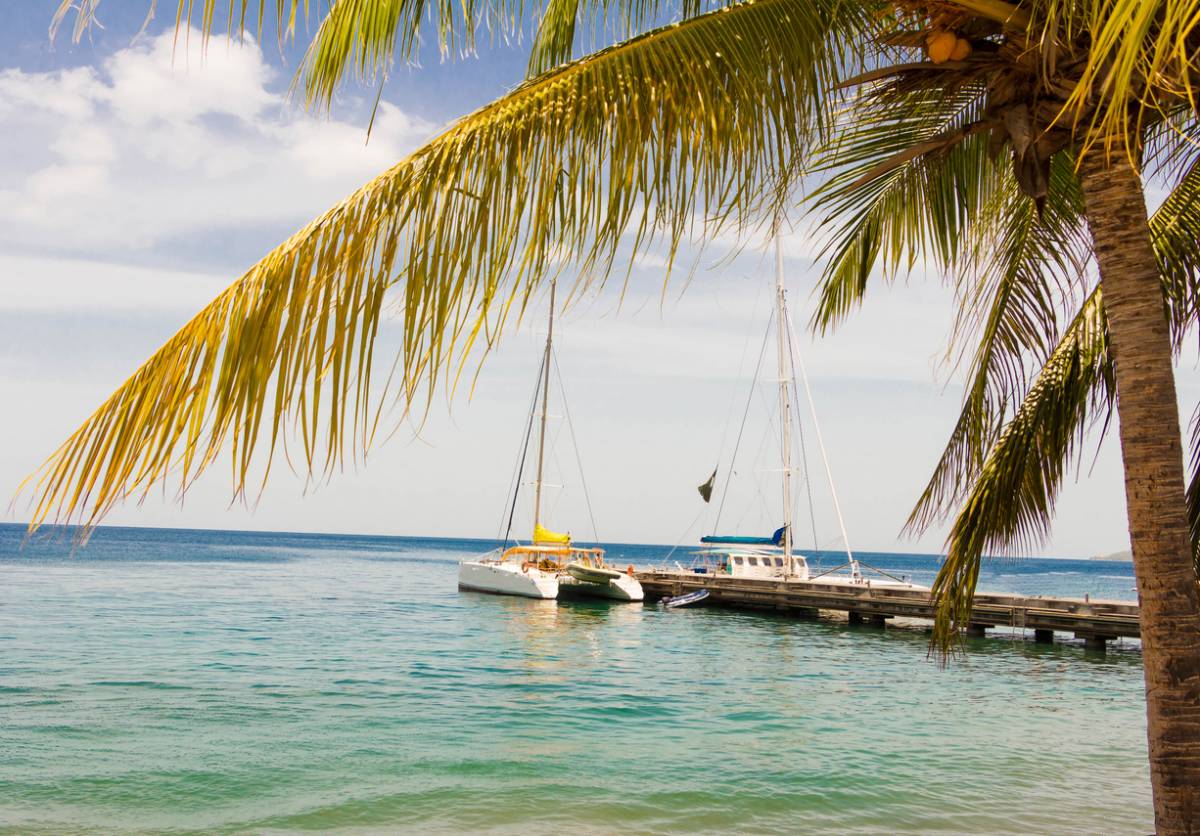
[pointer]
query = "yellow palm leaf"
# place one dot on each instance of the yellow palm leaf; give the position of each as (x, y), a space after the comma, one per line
(623, 149)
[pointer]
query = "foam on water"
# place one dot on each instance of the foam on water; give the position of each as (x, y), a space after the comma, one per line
(193, 681)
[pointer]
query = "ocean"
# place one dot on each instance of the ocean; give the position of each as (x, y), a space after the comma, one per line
(171, 681)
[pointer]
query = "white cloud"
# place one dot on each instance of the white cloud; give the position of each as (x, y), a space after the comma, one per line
(179, 82)
(649, 261)
(56, 285)
(70, 94)
(800, 240)
(161, 144)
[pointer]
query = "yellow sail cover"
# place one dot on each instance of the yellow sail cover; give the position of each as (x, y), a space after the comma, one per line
(541, 534)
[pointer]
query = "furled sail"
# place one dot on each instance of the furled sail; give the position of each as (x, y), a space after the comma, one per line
(543, 535)
(707, 488)
(775, 539)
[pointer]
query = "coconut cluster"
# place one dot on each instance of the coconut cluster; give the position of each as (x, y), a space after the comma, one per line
(942, 45)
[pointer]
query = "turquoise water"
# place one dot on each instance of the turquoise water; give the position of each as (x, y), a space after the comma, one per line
(223, 682)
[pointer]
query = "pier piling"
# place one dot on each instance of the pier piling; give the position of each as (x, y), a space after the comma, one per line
(1094, 643)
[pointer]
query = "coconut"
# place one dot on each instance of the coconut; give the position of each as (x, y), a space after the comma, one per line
(962, 48)
(939, 45)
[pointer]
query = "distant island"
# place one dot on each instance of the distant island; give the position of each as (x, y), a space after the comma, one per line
(1126, 556)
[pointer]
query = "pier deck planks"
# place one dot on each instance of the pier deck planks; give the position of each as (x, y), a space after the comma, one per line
(1095, 619)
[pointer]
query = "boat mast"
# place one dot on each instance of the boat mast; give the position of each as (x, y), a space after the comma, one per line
(537, 496)
(785, 411)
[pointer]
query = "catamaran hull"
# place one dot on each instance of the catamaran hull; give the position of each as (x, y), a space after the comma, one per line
(507, 579)
(623, 588)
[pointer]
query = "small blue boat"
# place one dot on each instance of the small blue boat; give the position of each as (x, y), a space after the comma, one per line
(691, 599)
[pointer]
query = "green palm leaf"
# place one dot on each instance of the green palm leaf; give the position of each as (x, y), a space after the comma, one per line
(905, 140)
(1013, 492)
(1012, 498)
(966, 215)
(1020, 264)
(1193, 488)
(1139, 64)
(626, 148)
(240, 15)
(888, 220)
(561, 20)
(555, 36)
(365, 37)
(1175, 229)
(362, 37)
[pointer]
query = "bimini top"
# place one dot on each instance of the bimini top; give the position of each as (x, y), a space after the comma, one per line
(775, 539)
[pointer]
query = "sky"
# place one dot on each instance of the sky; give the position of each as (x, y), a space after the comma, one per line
(139, 177)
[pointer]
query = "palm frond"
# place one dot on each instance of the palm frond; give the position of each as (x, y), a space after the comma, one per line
(1012, 499)
(1052, 417)
(1037, 261)
(240, 15)
(1193, 490)
(1175, 231)
(1020, 266)
(915, 210)
(998, 11)
(84, 12)
(966, 214)
(1140, 65)
(1171, 147)
(555, 36)
(365, 37)
(626, 148)
(562, 20)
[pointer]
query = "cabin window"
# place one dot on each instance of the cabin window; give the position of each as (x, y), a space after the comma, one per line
(738, 561)
(753, 561)
(779, 561)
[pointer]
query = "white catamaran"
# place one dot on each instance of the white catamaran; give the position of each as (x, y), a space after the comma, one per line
(775, 557)
(549, 565)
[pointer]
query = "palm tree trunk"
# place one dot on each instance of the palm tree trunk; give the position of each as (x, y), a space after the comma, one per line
(1154, 486)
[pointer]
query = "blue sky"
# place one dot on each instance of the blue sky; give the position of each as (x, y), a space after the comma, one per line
(136, 180)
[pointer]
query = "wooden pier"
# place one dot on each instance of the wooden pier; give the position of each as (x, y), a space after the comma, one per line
(1096, 622)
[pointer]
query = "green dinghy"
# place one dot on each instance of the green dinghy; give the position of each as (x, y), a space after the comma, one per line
(591, 574)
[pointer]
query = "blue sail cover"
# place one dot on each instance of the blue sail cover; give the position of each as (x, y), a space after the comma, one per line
(775, 539)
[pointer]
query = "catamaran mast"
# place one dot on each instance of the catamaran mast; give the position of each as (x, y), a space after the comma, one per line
(785, 414)
(537, 495)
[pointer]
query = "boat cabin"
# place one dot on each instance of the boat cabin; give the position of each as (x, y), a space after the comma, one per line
(754, 557)
(751, 563)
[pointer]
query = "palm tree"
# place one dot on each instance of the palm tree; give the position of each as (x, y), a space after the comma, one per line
(916, 173)
(1002, 142)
